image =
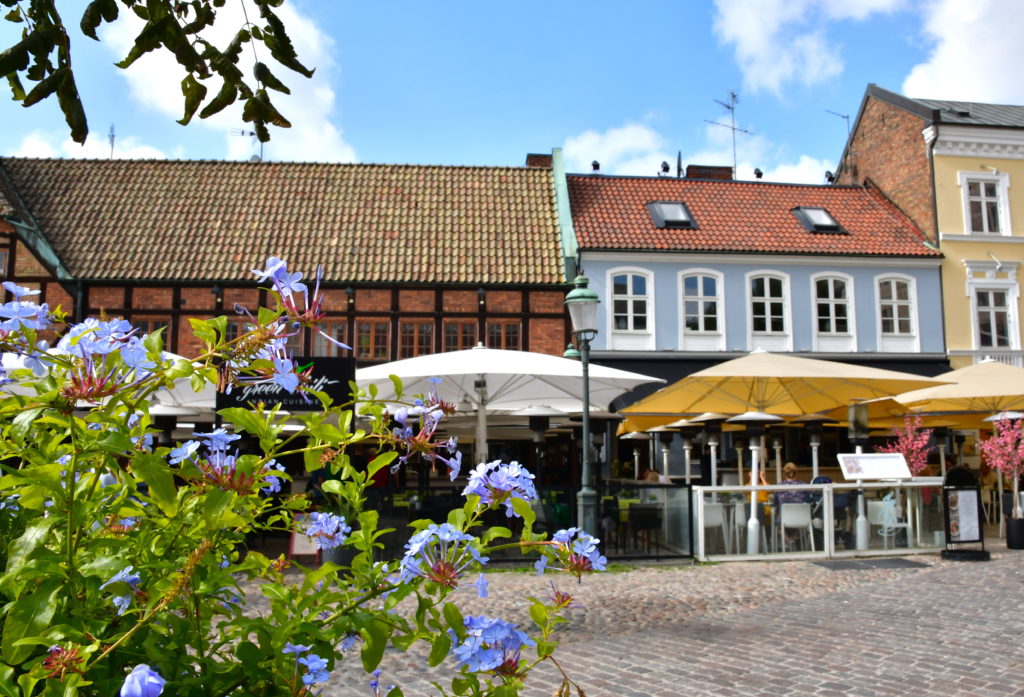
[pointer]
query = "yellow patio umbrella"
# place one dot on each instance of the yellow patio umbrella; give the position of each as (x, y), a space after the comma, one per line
(774, 383)
(988, 386)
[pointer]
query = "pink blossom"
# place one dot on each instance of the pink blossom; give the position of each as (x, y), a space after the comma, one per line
(912, 443)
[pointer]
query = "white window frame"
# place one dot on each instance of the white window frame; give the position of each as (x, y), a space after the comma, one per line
(838, 342)
(991, 281)
(702, 340)
(1002, 182)
(631, 339)
(898, 343)
(770, 340)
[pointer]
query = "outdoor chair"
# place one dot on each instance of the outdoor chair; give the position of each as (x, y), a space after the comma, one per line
(714, 517)
(796, 516)
(882, 514)
(645, 525)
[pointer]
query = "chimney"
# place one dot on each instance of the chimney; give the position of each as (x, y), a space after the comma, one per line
(709, 172)
(538, 161)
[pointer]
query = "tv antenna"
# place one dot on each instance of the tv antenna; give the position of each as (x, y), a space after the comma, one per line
(110, 137)
(731, 106)
(842, 116)
(243, 132)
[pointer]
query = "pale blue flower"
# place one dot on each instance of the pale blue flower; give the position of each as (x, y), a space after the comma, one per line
(143, 681)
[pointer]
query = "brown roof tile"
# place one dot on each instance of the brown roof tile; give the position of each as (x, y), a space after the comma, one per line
(202, 220)
(733, 216)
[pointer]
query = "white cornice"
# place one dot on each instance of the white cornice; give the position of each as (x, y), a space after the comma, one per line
(691, 258)
(980, 238)
(971, 141)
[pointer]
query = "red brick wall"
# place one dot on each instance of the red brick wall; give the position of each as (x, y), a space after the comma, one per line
(26, 264)
(416, 300)
(145, 298)
(547, 336)
(888, 149)
(373, 300)
(249, 297)
(335, 301)
(504, 301)
(187, 344)
(547, 302)
(194, 299)
(460, 301)
(106, 299)
(57, 296)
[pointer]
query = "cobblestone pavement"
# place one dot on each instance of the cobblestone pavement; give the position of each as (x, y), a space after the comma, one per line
(915, 626)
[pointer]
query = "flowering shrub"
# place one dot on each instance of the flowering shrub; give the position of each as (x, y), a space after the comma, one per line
(125, 560)
(911, 442)
(1005, 452)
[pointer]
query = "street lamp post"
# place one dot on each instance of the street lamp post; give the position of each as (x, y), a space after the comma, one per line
(582, 305)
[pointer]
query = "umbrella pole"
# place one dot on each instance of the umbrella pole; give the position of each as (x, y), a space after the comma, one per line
(753, 525)
(942, 458)
(777, 446)
(713, 447)
(739, 464)
(1002, 513)
(481, 420)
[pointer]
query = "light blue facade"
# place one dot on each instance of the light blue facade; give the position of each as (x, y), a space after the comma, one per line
(860, 277)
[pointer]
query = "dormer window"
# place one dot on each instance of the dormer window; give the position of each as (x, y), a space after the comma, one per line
(817, 220)
(671, 214)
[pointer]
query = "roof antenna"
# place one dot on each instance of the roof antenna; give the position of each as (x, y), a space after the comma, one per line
(243, 132)
(731, 106)
(679, 164)
(110, 137)
(842, 116)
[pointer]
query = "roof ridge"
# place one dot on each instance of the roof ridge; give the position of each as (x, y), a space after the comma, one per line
(273, 163)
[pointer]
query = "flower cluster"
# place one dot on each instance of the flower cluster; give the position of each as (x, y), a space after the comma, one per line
(498, 483)
(576, 551)
(315, 667)
(441, 554)
(327, 530)
(125, 579)
(143, 681)
(108, 357)
(415, 430)
(221, 466)
(911, 442)
(18, 315)
(491, 644)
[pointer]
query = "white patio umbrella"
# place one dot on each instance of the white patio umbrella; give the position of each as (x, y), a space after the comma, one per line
(488, 380)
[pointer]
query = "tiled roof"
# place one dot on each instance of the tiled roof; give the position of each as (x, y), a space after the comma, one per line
(738, 216)
(203, 220)
(950, 112)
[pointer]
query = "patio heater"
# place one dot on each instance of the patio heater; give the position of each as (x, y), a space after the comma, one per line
(755, 422)
(941, 433)
(712, 424)
(665, 436)
(635, 435)
(814, 425)
(582, 305)
(857, 427)
(540, 421)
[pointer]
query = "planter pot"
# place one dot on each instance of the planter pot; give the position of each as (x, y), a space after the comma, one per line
(342, 556)
(1015, 533)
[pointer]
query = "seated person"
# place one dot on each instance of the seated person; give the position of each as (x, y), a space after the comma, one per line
(789, 477)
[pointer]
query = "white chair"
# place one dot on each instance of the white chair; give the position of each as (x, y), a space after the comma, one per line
(882, 514)
(796, 515)
(714, 517)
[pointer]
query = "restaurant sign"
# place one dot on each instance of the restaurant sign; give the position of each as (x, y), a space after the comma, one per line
(329, 375)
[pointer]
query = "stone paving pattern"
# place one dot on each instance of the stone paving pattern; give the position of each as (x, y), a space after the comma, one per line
(932, 627)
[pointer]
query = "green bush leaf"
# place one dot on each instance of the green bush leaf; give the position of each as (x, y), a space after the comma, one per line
(29, 615)
(375, 640)
(439, 649)
(157, 475)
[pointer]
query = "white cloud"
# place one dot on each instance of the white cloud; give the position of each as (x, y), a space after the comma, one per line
(781, 41)
(40, 144)
(629, 149)
(639, 150)
(155, 78)
(977, 48)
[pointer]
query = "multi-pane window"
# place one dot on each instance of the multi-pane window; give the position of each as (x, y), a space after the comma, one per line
(148, 325)
(832, 306)
(459, 334)
(415, 338)
(372, 339)
(983, 206)
(767, 305)
(503, 334)
(3, 263)
(629, 302)
(321, 346)
(895, 307)
(700, 303)
(993, 314)
(236, 327)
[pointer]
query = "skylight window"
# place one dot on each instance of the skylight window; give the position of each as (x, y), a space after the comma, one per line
(671, 214)
(817, 220)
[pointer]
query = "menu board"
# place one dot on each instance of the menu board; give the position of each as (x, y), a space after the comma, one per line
(300, 545)
(856, 466)
(963, 515)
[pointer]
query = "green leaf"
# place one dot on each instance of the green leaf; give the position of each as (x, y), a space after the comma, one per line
(29, 615)
(375, 640)
(439, 649)
(495, 532)
(248, 653)
(7, 688)
(263, 74)
(224, 98)
(539, 614)
(281, 48)
(453, 617)
(218, 503)
(194, 92)
(525, 511)
(34, 536)
(157, 475)
(23, 422)
(115, 442)
(71, 105)
(97, 10)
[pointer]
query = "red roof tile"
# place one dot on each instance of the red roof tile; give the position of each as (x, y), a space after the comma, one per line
(732, 216)
(202, 220)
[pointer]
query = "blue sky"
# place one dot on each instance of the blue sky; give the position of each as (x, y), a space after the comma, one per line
(485, 82)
